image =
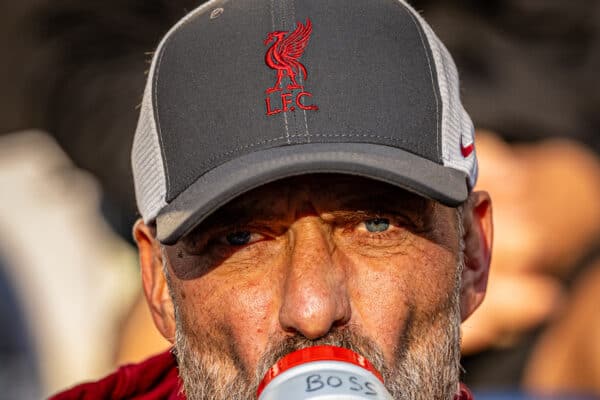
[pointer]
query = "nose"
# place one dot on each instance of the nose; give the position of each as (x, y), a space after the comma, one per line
(315, 296)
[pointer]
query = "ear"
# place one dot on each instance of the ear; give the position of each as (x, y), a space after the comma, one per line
(154, 281)
(478, 236)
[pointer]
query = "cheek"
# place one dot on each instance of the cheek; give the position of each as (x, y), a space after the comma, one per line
(236, 311)
(380, 307)
(252, 316)
(392, 295)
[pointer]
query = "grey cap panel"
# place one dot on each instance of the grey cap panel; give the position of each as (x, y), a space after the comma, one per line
(208, 80)
(383, 163)
(369, 73)
(373, 76)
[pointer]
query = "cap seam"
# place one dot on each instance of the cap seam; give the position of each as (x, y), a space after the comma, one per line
(227, 153)
(154, 70)
(157, 116)
(437, 108)
(302, 82)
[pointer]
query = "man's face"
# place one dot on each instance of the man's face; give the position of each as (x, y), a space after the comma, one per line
(321, 259)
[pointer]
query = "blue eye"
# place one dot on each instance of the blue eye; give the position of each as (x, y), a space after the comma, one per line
(238, 238)
(377, 224)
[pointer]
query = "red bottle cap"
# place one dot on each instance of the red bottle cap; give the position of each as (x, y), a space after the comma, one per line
(315, 353)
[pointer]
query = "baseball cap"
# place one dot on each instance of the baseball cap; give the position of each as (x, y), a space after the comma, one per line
(243, 93)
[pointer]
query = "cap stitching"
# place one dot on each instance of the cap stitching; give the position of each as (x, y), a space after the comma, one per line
(284, 27)
(437, 111)
(301, 79)
(221, 155)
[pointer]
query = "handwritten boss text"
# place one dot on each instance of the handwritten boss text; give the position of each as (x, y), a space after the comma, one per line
(317, 382)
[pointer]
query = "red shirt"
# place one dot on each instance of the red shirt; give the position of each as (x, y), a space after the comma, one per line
(153, 379)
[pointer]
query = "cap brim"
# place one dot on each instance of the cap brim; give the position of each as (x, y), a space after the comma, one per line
(229, 180)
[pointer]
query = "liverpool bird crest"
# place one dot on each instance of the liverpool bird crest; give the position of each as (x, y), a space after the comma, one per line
(283, 56)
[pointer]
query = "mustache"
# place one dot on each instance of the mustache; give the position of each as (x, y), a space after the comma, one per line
(343, 337)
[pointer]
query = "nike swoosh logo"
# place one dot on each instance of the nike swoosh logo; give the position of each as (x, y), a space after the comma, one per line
(466, 150)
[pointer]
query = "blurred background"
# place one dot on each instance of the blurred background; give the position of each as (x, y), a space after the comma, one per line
(71, 76)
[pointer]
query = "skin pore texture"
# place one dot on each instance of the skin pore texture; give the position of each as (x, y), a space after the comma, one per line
(321, 259)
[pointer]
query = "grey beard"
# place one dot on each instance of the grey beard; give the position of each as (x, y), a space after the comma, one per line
(429, 371)
(425, 367)
(430, 374)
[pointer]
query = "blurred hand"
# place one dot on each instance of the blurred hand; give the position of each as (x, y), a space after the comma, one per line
(546, 213)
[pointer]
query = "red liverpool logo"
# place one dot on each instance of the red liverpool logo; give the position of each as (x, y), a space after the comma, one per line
(283, 56)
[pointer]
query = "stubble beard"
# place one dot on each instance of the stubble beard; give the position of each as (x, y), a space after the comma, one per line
(426, 363)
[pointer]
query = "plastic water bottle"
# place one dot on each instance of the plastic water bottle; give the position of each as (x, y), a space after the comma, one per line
(322, 373)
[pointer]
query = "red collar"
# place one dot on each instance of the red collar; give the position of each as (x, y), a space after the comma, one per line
(153, 379)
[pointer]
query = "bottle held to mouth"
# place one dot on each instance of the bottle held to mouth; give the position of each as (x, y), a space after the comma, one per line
(322, 373)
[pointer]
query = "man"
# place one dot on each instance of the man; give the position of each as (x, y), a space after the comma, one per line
(304, 173)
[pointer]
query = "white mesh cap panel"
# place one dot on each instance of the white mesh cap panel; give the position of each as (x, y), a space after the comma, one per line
(457, 127)
(147, 162)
